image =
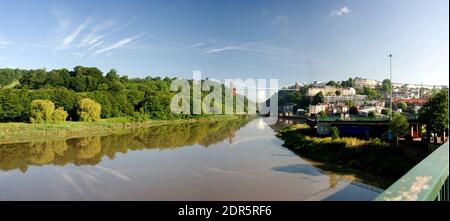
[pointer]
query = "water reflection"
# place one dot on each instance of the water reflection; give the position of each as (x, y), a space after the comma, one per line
(299, 168)
(91, 150)
(228, 160)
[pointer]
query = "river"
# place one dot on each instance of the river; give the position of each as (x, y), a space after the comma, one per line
(224, 160)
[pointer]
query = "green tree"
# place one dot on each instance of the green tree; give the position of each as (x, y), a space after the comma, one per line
(386, 111)
(411, 110)
(14, 105)
(435, 113)
(338, 93)
(372, 94)
(318, 98)
(334, 132)
(402, 105)
(386, 86)
(399, 125)
(332, 83)
(59, 115)
(41, 111)
(89, 110)
(112, 75)
(8, 75)
(322, 114)
(348, 83)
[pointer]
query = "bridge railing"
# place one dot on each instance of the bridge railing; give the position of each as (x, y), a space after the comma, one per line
(427, 181)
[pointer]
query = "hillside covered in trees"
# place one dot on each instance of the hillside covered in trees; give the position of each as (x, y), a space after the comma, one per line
(119, 96)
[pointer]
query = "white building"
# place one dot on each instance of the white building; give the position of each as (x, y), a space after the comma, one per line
(363, 82)
(330, 90)
(357, 99)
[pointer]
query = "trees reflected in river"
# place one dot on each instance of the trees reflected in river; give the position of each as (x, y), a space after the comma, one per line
(91, 150)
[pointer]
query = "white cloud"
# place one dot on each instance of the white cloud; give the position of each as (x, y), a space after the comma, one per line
(197, 45)
(93, 36)
(342, 11)
(119, 44)
(244, 47)
(73, 35)
(218, 50)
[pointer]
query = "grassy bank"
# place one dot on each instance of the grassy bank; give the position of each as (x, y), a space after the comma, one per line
(372, 156)
(25, 132)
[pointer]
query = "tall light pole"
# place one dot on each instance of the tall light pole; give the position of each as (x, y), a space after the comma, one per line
(391, 84)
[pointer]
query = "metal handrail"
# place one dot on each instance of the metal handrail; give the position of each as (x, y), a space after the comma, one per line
(427, 181)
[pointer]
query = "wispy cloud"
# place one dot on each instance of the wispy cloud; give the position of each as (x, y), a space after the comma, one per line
(197, 45)
(341, 11)
(90, 36)
(119, 44)
(218, 50)
(242, 47)
(94, 35)
(73, 35)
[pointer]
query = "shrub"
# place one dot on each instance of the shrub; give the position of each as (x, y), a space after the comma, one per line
(59, 115)
(41, 111)
(399, 125)
(402, 105)
(334, 132)
(371, 114)
(89, 110)
(322, 114)
(386, 111)
(140, 116)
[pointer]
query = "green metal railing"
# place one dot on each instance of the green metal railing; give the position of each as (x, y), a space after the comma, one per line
(427, 181)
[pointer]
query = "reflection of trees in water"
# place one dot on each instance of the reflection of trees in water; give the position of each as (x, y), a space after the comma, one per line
(90, 150)
(88, 147)
(284, 122)
(360, 178)
(44, 153)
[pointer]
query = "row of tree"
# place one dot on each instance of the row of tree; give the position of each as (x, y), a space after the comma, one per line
(140, 98)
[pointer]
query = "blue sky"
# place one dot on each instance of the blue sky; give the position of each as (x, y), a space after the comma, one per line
(290, 40)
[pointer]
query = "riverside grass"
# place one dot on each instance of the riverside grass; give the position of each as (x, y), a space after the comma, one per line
(372, 156)
(26, 132)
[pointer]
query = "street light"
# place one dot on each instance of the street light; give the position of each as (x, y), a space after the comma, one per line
(391, 84)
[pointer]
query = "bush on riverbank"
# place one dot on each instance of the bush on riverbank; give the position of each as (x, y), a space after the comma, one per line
(373, 156)
(44, 112)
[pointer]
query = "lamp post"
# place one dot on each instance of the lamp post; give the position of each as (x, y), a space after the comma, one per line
(391, 84)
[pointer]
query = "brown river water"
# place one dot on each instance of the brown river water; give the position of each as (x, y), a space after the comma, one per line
(225, 160)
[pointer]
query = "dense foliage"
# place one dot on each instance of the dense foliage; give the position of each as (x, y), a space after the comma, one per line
(373, 156)
(386, 111)
(8, 75)
(138, 98)
(43, 111)
(89, 110)
(318, 98)
(399, 125)
(435, 113)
